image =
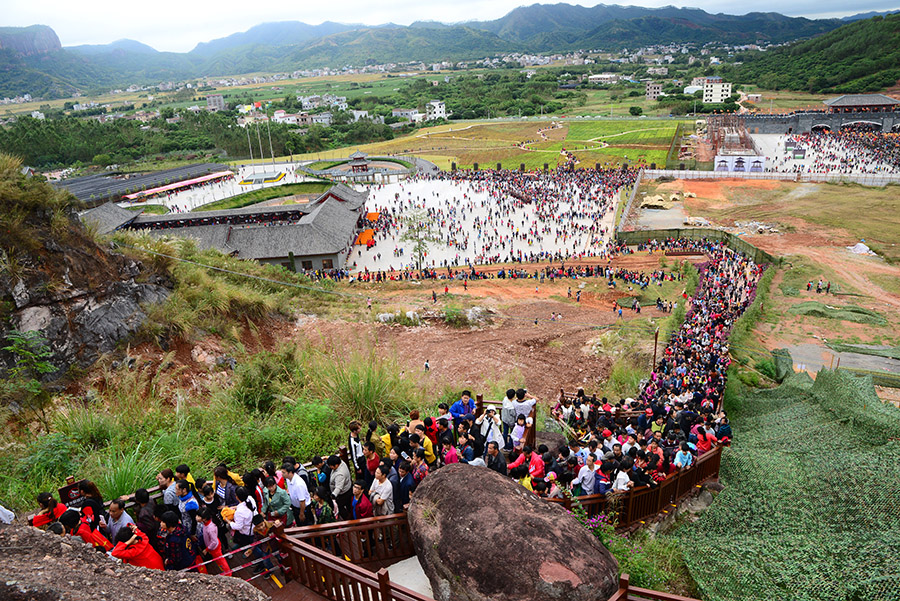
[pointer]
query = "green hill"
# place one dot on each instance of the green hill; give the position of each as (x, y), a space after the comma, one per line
(863, 56)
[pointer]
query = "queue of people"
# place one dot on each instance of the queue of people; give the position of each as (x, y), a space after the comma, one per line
(612, 446)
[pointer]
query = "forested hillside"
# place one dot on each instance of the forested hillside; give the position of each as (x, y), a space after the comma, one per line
(32, 62)
(863, 56)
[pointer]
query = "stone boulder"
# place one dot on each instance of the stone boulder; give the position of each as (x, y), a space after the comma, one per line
(482, 537)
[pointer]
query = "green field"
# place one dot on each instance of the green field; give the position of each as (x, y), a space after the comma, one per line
(651, 133)
(150, 209)
(250, 198)
(490, 142)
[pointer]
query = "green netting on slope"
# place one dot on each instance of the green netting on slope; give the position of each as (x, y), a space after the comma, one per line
(845, 313)
(784, 364)
(811, 508)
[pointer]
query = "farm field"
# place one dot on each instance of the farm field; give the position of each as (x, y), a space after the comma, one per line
(608, 142)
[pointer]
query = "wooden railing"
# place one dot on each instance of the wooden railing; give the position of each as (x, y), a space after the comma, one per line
(639, 504)
(331, 576)
(627, 592)
(626, 414)
(366, 541)
(339, 580)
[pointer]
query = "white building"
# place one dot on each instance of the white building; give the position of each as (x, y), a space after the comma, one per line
(357, 115)
(411, 114)
(690, 90)
(602, 78)
(321, 119)
(215, 102)
(716, 92)
(435, 110)
(658, 71)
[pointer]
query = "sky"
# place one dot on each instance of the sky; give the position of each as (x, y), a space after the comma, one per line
(177, 26)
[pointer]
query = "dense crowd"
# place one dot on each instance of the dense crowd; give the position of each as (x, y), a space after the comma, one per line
(847, 151)
(489, 217)
(613, 446)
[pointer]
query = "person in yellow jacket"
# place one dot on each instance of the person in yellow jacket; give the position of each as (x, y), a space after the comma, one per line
(419, 440)
(392, 438)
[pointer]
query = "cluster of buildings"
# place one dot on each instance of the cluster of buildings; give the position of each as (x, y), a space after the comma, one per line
(316, 235)
(436, 109)
(715, 91)
(17, 100)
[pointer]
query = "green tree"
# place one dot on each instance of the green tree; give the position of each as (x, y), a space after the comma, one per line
(24, 386)
(635, 111)
(419, 231)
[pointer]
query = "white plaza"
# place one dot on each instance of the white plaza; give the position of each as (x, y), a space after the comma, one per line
(476, 227)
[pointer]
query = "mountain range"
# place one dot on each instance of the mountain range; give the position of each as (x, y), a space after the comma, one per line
(32, 59)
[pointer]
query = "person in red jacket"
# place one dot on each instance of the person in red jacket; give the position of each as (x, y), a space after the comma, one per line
(51, 510)
(133, 547)
(362, 507)
(79, 525)
(535, 463)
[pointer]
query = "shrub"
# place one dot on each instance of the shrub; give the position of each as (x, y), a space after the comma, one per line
(90, 428)
(49, 457)
(363, 386)
(767, 368)
(256, 383)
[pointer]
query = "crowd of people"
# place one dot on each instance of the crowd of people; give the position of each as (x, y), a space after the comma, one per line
(848, 151)
(488, 217)
(612, 446)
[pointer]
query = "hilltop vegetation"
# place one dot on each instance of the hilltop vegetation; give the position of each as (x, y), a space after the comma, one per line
(38, 67)
(863, 56)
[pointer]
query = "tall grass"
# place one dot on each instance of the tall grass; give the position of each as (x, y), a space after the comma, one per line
(363, 386)
(123, 472)
(91, 428)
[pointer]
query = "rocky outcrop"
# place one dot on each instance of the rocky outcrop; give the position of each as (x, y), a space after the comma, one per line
(36, 39)
(39, 566)
(85, 299)
(481, 537)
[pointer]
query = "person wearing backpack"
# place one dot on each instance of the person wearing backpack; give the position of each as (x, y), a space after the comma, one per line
(178, 547)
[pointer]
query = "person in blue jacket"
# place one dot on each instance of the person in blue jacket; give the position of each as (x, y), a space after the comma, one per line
(461, 407)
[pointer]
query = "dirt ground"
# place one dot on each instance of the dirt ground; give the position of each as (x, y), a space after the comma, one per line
(547, 355)
(38, 566)
(803, 243)
(542, 357)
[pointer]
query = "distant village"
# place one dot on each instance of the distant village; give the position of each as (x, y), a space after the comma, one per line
(658, 57)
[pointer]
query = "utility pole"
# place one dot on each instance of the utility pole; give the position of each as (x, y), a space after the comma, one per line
(655, 342)
(259, 139)
(271, 151)
(250, 146)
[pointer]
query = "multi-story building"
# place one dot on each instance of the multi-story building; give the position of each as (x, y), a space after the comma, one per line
(654, 90)
(716, 92)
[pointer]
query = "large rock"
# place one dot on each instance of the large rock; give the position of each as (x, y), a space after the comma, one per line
(480, 536)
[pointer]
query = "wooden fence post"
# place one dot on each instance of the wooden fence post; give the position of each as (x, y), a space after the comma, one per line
(384, 584)
(623, 585)
(479, 405)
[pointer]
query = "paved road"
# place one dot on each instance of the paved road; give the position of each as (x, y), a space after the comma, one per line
(812, 358)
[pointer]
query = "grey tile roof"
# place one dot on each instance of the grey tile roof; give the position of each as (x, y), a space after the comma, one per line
(108, 217)
(327, 228)
(862, 100)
